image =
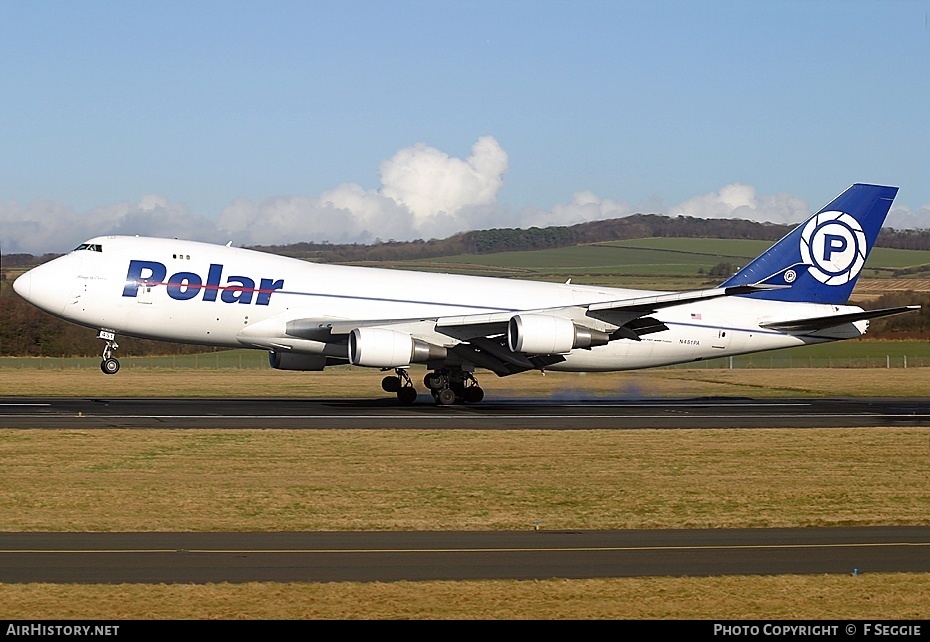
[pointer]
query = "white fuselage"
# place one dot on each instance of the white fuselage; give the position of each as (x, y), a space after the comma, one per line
(216, 295)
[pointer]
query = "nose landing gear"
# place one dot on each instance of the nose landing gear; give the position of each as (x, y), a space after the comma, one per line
(109, 364)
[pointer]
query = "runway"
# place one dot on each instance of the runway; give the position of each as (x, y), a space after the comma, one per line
(393, 556)
(510, 414)
(329, 557)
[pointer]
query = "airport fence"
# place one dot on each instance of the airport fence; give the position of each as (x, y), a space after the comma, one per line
(220, 360)
(258, 360)
(763, 361)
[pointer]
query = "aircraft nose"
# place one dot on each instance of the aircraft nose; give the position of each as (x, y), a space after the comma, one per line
(23, 285)
(47, 286)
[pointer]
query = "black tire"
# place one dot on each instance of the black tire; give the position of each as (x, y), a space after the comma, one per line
(407, 395)
(473, 394)
(434, 381)
(445, 397)
(391, 384)
(109, 366)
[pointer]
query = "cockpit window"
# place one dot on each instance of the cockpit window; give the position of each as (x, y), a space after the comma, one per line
(92, 247)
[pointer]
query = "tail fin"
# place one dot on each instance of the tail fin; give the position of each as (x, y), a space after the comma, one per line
(835, 243)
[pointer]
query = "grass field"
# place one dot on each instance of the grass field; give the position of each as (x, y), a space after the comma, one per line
(400, 480)
(345, 381)
(653, 263)
(780, 597)
(287, 480)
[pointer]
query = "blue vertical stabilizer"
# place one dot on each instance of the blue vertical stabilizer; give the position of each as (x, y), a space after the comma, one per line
(834, 243)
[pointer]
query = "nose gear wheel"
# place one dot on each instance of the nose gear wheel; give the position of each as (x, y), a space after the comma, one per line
(108, 364)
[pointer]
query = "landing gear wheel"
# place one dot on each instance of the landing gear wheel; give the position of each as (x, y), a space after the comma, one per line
(109, 366)
(451, 385)
(391, 384)
(401, 385)
(435, 381)
(445, 397)
(407, 395)
(473, 394)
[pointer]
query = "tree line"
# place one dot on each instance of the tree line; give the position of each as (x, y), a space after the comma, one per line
(539, 238)
(534, 238)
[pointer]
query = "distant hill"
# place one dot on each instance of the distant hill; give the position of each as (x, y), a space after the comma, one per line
(536, 238)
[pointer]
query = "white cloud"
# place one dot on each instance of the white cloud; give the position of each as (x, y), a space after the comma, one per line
(423, 193)
(430, 183)
(741, 202)
(49, 226)
(902, 218)
(346, 214)
(585, 206)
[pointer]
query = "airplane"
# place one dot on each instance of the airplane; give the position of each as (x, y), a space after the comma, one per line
(309, 316)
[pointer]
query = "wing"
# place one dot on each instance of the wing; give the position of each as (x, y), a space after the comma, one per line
(503, 342)
(622, 313)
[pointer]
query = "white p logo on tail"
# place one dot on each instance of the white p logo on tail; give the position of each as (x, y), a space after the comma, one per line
(833, 243)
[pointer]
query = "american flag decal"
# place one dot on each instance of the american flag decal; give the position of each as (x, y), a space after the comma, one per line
(696, 316)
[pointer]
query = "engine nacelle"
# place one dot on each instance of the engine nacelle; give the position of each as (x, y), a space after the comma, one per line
(296, 361)
(385, 348)
(547, 334)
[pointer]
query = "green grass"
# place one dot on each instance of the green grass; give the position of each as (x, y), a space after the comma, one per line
(740, 248)
(653, 263)
(599, 256)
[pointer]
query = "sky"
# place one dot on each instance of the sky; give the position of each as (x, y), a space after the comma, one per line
(276, 122)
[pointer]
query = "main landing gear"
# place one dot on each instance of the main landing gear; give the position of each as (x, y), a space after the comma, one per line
(448, 386)
(109, 365)
(400, 384)
(453, 385)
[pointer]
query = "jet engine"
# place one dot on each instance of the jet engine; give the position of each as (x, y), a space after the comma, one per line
(385, 348)
(547, 334)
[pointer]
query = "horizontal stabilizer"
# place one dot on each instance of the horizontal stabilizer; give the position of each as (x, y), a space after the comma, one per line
(814, 324)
